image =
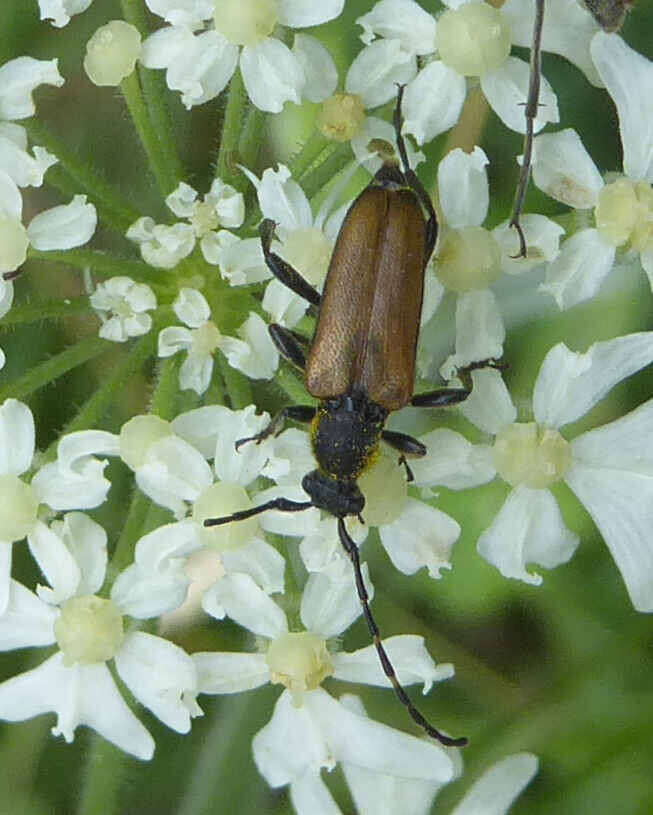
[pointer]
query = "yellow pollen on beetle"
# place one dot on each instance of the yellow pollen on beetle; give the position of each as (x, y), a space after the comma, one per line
(525, 454)
(473, 39)
(468, 259)
(88, 630)
(245, 22)
(300, 661)
(341, 116)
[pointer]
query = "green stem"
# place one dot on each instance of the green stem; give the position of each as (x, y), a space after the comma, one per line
(51, 369)
(123, 554)
(154, 92)
(50, 310)
(251, 139)
(237, 384)
(112, 208)
(315, 180)
(231, 129)
(103, 779)
(101, 263)
(132, 93)
(166, 389)
(309, 154)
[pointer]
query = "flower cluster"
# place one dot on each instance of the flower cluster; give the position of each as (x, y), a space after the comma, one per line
(174, 299)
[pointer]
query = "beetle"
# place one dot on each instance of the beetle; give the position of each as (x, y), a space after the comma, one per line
(361, 362)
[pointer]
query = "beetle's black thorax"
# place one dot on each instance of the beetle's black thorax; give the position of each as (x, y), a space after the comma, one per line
(345, 434)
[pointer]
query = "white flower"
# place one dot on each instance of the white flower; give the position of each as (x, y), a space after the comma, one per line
(471, 39)
(253, 353)
(6, 299)
(75, 481)
(18, 79)
(610, 469)
(75, 682)
(200, 65)
(623, 208)
(122, 305)
(61, 227)
(470, 258)
(309, 729)
(162, 246)
(60, 11)
(111, 53)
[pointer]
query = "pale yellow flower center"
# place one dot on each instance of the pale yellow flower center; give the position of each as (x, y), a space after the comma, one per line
(468, 259)
(19, 508)
(138, 435)
(300, 661)
(89, 629)
(473, 39)
(206, 339)
(111, 53)
(624, 214)
(526, 454)
(204, 218)
(341, 116)
(245, 22)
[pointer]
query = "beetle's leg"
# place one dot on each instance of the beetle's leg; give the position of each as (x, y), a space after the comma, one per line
(452, 396)
(287, 345)
(283, 271)
(298, 413)
(283, 504)
(407, 446)
(414, 183)
(351, 549)
(530, 111)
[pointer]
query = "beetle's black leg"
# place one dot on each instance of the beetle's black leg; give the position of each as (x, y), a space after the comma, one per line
(298, 413)
(287, 345)
(452, 396)
(407, 446)
(352, 552)
(414, 183)
(530, 111)
(283, 271)
(283, 504)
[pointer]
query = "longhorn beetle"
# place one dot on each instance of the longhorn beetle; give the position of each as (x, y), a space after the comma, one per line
(361, 363)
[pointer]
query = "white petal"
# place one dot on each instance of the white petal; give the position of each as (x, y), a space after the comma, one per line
(199, 69)
(261, 561)
(182, 200)
(489, 405)
(463, 187)
(195, 372)
(27, 621)
(166, 45)
(528, 529)
(570, 384)
(57, 564)
(242, 465)
(173, 472)
(63, 488)
(226, 672)
(18, 78)
(290, 744)
(480, 332)
(374, 128)
(191, 307)
(498, 787)
(294, 524)
(282, 199)
(60, 11)
(401, 20)
(421, 536)
(563, 169)
(5, 574)
(272, 75)
(293, 457)
(78, 695)
(304, 13)
(542, 240)
(577, 273)
(24, 169)
(318, 66)
(367, 743)
(506, 90)
(172, 339)
(408, 655)
(241, 261)
(74, 448)
(284, 306)
(63, 227)
(386, 794)
(568, 29)
(238, 596)
(86, 540)
(190, 13)
(11, 200)
(433, 101)
(628, 76)
(330, 601)
(377, 70)
(256, 356)
(17, 437)
(200, 427)
(309, 795)
(161, 676)
(451, 462)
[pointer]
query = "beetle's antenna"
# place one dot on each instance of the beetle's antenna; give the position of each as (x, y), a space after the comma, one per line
(283, 504)
(352, 551)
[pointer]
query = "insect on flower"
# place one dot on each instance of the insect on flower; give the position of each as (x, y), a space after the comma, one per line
(361, 361)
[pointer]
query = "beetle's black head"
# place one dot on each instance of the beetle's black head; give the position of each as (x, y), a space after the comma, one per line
(338, 496)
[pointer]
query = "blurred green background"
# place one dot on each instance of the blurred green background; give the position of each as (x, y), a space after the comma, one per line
(564, 670)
